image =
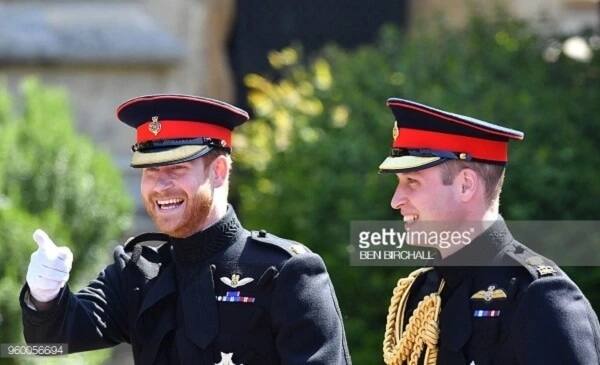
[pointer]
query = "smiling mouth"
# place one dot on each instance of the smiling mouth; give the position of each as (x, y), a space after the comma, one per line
(410, 218)
(169, 204)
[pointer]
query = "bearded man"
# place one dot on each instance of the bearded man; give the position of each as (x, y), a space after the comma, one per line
(211, 292)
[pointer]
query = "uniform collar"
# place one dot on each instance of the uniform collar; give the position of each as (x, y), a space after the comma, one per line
(204, 244)
(485, 250)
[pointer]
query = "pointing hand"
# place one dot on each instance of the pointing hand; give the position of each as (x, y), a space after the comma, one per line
(49, 268)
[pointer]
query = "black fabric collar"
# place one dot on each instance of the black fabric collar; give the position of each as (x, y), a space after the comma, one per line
(485, 250)
(204, 244)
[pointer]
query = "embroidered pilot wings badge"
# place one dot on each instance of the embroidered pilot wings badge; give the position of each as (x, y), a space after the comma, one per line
(235, 281)
(490, 294)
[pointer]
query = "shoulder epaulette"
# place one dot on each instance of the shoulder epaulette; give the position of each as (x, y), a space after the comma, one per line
(538, 266)
(293, 248)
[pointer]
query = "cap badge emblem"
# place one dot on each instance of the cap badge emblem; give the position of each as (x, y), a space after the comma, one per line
(154, 126)
(395, 130)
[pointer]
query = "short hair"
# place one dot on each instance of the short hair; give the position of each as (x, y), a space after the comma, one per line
(213, 154)
(492, 175)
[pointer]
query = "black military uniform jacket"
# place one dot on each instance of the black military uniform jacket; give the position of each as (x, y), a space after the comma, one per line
(519, 309)
(222, 296)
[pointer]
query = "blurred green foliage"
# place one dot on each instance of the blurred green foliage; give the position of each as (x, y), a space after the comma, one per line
(55, 179)
(307, 165)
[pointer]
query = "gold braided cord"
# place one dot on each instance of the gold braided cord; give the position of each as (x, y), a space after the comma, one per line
(422, 331)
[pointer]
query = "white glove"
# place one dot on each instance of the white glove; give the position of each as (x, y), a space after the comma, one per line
(49, 268)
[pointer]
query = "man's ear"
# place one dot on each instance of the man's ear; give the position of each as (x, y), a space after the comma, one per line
(467, 182)
(219, 171)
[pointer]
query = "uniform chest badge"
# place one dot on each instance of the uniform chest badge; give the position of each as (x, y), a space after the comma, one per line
(235, 281)
(234, 297)
(154, 126)
(490, 294)
(226, 359)
(478, 313)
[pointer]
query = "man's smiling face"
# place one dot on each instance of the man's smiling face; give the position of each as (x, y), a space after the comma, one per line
(177, 197)
(421, 196)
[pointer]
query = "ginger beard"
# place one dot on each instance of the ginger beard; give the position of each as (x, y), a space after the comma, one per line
(189, 220)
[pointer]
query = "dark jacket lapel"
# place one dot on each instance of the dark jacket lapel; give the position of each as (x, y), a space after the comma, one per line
(154, 321)
(200, 307)
(455, 325)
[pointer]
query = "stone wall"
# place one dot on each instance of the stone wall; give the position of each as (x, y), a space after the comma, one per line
(564, 16)
(103, 53)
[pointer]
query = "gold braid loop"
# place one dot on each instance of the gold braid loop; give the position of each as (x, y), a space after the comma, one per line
(422, 330)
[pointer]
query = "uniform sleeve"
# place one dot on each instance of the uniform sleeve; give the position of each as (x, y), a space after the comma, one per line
(558, 325)
(93, 318)
(306, 315)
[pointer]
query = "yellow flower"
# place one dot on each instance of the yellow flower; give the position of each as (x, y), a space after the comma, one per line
(322, 74)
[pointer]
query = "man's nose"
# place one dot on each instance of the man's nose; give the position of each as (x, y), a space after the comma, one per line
(399, 198)
(163, 183)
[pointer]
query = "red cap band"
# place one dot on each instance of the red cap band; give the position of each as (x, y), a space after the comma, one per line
(478, 148)
(180, 129)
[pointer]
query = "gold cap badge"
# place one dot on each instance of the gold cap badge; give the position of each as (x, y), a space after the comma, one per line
(395, 130)
(154, 126)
